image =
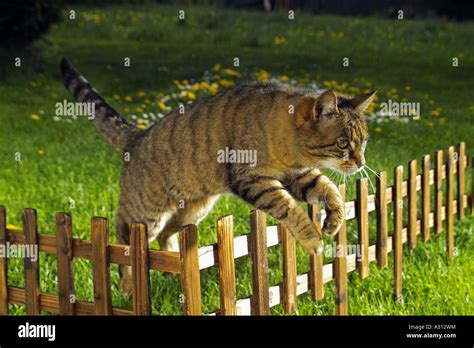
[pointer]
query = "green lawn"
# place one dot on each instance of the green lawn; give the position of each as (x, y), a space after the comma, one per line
(64, 161)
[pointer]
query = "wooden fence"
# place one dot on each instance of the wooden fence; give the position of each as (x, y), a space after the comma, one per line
(191, 259)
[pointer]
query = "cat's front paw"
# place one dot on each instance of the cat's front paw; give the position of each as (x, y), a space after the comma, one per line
(334, 211)
(313, 245)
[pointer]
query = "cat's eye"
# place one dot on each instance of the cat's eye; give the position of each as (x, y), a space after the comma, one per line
(342, 143)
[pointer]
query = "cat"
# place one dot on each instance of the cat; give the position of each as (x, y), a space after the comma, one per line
(293, 131)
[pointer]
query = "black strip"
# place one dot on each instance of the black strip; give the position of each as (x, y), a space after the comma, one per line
(259, 195)
(312, 183)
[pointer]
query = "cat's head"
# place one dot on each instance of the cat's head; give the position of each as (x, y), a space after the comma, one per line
(332, 131)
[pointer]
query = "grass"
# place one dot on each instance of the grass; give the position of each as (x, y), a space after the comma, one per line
(64, 163)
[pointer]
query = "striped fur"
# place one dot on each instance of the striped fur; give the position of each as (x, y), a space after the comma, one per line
(173, 177)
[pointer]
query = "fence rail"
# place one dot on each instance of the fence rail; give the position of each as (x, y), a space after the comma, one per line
(450, 166)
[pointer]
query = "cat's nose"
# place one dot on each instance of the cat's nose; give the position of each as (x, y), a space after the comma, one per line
(360, 162)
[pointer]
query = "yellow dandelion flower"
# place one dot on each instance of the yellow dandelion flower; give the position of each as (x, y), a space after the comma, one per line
(40, 152)
(283, 78)
(138, 109)
(35, 117)
(263, 75)
(141, 94)
(13, 227)
(162, 105)
(216, 67)
(191, 96)
(195, 87)
(147, 101)
(407, 88)
(141, 126)
(226, 83)
(232, 73)
(116, 97)
(430, 123)
(128, 98)
(213, 88)
(203, 85)
(435, 113)
(185, 82)
(378, 130)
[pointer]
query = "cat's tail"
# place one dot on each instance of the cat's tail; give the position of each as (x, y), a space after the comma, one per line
(116, 129)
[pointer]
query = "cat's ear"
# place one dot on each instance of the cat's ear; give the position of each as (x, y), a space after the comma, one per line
(326, 104)
(361, 102)
(305, 111)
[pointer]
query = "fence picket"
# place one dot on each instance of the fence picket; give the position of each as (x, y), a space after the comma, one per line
(450, 202)
(260, 300)
(225, 254)
(363, 227)
(412, 203)
(439, 191)
(289, 295)
(316, 262)
(425, 195)
(340, 265)
(190, 276)
(140, 261)
(382, 219)
(32, 285)
(3, 263)
(101, 266)
(461, 175)
(64, 256)
(397, 235)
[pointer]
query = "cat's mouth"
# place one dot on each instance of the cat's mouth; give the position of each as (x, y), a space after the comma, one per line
(342, 170)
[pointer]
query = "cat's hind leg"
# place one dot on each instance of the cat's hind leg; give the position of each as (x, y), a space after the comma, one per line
(192, 212)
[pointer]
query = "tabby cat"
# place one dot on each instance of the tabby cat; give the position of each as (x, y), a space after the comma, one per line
(173, 177)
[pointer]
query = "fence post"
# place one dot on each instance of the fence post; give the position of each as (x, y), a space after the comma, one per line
(64, 247)
(340, 264)
(289, 295)
(439, 191)
(32, 285)
(3, 263)
(225, 255)
(425, 195)
(450, 203)
(461, 176)
(397, 235)
(140, 262)
(190, 275)
(101, 266)
(260, 300)
(412, 203)
(472, 185)
(316, 262)
(382, 218)
(363, 227)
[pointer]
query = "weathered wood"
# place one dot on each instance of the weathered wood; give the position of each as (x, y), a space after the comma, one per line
(64, 256)
(425, 195)
(472, 185)
(450, 203)
(382, 219)
(190, 276)
(316, 262)
(397, 236)
(363, 227)
(3, 263)
(225, 255)
(412, 203)
(340, 266)
(461, 177)
(32, 285)
(288, 296)
(260, 300)
(438, 191)
(140, 269)
(101, 266)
